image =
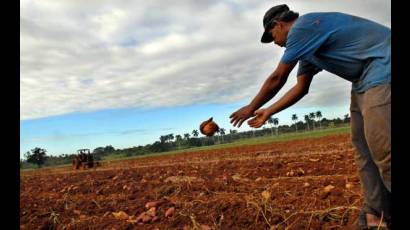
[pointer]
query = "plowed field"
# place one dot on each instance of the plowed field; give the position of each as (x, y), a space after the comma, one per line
(300, 184)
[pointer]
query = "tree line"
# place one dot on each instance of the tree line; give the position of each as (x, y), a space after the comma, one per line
(170, 142)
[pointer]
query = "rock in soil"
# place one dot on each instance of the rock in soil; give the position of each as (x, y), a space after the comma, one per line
(170, 212)
(121, 215)
(155, 204)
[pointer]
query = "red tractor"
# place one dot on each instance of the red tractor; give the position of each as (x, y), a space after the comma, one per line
(84, 159)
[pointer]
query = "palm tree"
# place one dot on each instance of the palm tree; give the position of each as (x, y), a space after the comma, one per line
(312, 118)
(276, 123)
(347, 118)
(232, 132)
(195, 133)
(307, 121)
(163, 139)
(171, 136)
(270, 121)
(186, 136)
(178, 140)
(295, 118)
(318, 116)
(222, 133)
(216, 135)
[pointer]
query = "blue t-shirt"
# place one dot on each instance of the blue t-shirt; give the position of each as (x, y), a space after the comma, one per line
(351, 47)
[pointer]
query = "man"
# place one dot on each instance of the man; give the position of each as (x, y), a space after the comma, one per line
(357, 50)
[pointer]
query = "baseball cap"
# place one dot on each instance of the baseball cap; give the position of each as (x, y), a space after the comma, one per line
(271, 15)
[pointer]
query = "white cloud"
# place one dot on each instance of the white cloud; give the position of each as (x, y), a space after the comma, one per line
(92, 55)
(108, 23)
(169, 43)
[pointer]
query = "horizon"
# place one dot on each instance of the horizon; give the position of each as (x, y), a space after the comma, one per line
(265, 126)
(284, 119)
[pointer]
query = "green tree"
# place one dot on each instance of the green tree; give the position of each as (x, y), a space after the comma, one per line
(312, 118)
(163, 139)
(98, 150)
(346, 118)
(178, 139)
(295, 119)
(37, 156)
(270, 121)
(222, 133)
(186, 136)
(195, 133)
(276, 123)
(171, 137)
(109, 149)
(307, 121)
(232, 133)
(318, 116)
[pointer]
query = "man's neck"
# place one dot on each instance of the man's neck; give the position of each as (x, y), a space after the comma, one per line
(290, 24)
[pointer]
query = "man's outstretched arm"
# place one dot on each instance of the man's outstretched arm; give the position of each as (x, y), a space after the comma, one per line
(269, 89)
(291, 97)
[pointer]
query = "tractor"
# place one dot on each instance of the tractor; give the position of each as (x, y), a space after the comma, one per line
(84, 159)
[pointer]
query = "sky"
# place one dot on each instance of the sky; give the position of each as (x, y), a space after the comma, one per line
(123, 73)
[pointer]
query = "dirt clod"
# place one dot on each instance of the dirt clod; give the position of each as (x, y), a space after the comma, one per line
(121, 215)
(170, 212)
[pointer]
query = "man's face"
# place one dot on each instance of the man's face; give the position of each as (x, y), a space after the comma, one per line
(279, 33)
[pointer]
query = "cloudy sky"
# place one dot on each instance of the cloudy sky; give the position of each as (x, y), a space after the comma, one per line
(94, 73)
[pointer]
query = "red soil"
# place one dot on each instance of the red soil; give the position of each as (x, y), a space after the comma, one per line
(273, 186)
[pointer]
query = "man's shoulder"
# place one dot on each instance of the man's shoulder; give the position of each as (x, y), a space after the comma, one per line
(324, 14)
(329, 21)
(320, 20)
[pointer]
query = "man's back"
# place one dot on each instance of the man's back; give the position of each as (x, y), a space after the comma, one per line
(351, 47)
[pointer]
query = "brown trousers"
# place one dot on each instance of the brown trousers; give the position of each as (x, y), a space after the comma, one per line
(371, 136)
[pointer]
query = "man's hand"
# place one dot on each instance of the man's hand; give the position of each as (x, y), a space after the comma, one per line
(261, 116)
(270, 87)
(241, 115)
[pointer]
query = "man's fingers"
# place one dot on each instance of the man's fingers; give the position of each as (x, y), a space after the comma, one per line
(235, 122)
(254, 124)
(240, 123)
(251, 121)
(234, 118)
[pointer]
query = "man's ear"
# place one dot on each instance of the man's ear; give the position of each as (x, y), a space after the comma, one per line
(279, 23)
